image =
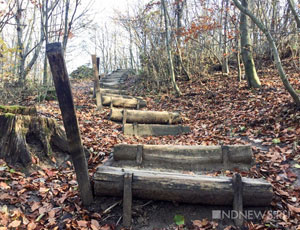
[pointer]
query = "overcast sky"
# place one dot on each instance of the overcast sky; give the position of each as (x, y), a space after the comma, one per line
(101, 11)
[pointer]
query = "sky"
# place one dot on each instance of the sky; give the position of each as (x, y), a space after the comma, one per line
(101, 11)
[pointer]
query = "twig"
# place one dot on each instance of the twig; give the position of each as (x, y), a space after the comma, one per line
(112, 206)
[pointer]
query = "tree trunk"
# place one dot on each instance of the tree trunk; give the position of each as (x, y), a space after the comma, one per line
(171, 66)
(195, 189)
(250, 70)
(296, 15)
(225, 66)
(26, 137)
(272, 44)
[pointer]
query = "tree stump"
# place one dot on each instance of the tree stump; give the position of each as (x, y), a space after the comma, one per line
(25, 137)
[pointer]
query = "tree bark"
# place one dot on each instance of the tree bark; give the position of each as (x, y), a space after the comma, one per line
(250, 70)
(25, 137)
(195, 189)
(296, 15)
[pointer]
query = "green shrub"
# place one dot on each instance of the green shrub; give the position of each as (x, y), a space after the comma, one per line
(82, 72)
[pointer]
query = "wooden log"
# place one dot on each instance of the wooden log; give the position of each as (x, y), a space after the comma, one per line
(111, 85)
(154, 129)
(65, 98)
(120, 95)
(96, 83)
(16, 109)
(195, 189)
(187, 158)
(146, 117)
(113, 91)
(119, 101)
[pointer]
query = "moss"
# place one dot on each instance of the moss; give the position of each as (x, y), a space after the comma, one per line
(17, 109)
(7, 115)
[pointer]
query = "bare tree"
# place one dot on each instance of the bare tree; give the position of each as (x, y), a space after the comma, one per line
(272, 44)
(171, 66)
(250, 70)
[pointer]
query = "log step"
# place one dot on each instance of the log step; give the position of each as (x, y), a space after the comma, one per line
(195, 189)
(185, 158)
(145, 117)
(154, 129)
(120, 101)
(113, 91)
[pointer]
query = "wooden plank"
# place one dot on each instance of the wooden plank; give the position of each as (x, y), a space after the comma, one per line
(183, 157)
(195, 189)
(155, 129)
(66, 104)
(96, 83)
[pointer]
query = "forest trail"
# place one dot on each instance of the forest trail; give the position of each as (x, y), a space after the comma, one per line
(233, 115)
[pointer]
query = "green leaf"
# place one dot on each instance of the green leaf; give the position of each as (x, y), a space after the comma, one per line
(39, 217)
(12, 171)
(297, 166)
(276, 141)
(242, 128)
(179, 220)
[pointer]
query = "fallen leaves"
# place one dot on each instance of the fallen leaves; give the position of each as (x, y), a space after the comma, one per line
(229, 113)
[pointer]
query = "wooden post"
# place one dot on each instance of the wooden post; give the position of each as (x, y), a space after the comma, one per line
(127, 200)
(97, 83)
(66, 104)
(237, 185)
(98, 67)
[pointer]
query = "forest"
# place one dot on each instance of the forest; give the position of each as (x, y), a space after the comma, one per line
(145, 114)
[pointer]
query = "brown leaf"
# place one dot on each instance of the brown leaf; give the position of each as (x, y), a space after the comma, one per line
(14, 224)
(3, 185)
(52, 213)
(293, 208)
(105, 227)
(82, 223)
(95, 224)
(35, 206)
(31, 226)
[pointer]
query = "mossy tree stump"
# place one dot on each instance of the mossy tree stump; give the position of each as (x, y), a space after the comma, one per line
(25, 136)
